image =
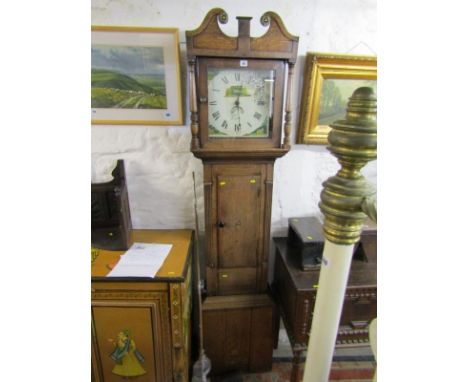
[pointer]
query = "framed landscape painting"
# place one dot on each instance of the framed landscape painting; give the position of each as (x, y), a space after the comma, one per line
(135, 76)
(329, 81)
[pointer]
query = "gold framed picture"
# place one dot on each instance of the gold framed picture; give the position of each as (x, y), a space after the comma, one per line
(135, 76)
(329, 81)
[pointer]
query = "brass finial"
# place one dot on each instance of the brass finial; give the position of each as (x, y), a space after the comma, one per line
(354, 142)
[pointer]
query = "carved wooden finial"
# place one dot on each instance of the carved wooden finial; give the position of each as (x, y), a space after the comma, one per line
(277, 42)
(269, 17)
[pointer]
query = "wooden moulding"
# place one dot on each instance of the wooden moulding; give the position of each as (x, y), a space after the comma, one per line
(258, 154)
(209, 40)
(236, 302)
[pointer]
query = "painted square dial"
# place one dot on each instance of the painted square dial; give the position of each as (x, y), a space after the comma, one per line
(240, 102)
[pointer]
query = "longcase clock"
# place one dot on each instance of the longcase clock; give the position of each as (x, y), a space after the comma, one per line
(238, 87)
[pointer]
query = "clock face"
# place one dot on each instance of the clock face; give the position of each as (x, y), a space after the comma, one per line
(240, 102)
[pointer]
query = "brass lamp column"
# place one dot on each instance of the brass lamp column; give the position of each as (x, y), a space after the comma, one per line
(345, 201)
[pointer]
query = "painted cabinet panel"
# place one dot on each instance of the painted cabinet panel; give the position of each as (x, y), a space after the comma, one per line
(130, 340)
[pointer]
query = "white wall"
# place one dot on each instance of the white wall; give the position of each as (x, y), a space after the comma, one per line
(158, 159)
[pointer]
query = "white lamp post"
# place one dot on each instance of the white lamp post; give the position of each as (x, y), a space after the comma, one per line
(354, 142)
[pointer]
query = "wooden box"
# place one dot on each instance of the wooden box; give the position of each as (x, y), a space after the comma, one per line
(296, 290)
(110, 212)
(305, 240)
(141, 326)
(239, 332)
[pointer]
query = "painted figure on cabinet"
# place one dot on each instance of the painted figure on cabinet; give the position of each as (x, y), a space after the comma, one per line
(127, 358)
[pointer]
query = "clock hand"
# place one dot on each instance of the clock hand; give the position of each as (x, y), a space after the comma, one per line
(237, 105)
(236, 109)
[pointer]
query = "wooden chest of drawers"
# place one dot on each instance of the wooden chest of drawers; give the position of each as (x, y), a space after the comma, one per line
(296, 292)
(141, 327)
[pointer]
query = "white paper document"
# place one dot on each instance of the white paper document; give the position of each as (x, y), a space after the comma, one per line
(141, 260)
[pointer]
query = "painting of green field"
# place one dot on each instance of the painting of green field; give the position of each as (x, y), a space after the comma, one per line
(127, 77)
(335, 95)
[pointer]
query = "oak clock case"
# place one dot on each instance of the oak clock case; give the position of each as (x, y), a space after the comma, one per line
(240, 99)
(239, 88)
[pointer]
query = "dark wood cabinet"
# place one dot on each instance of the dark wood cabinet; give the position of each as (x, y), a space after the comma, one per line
(111, 223)
(295, 292)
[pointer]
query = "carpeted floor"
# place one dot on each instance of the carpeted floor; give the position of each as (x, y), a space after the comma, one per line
(350, 364)
(344, 371)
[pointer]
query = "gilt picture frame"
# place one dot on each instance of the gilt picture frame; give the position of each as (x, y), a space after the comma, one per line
(135, 76)
(329, 81)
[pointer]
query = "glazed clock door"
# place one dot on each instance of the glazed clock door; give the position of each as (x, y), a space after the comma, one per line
(238, 212)
(240, 102)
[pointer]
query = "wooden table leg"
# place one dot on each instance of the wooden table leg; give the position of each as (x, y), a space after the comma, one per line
(296, 361)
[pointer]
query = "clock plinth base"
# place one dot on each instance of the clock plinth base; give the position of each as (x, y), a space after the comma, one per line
(239, 332)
